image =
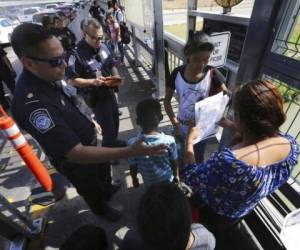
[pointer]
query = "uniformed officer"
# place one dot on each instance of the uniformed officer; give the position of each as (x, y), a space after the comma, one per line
(7, 75)
(49, 111)
(56, 27)
(86, 70)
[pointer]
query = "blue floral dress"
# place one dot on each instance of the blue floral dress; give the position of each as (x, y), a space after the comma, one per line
(231, 187)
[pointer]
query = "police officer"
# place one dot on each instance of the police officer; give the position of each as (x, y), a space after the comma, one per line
(87, 70)
(55, 25)
(65, 35)
(7, 75)
(49, 111)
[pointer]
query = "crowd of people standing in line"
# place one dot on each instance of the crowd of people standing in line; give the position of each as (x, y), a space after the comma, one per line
(62, 97)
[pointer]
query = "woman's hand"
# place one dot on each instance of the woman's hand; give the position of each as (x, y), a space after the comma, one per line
(226, 123)
(193, 134)
(177, 132)
(189, 156)
(140, 148)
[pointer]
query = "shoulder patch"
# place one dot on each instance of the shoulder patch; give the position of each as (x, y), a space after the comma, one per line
(41, 120)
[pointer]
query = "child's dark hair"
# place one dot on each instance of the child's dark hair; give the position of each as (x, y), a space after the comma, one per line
(87, 237)
(164, 217)
(149, 114)
(198, 41)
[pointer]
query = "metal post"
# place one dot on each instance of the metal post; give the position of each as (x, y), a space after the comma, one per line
(159, 49)
(191, 20)
(259, 31)
(137, 51)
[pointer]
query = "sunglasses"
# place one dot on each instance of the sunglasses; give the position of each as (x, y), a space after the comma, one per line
(54, 62)
(96, 38)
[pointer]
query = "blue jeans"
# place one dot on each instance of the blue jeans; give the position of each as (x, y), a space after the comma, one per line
(121, 50)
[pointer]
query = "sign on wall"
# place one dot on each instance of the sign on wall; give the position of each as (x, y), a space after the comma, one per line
(221, 45)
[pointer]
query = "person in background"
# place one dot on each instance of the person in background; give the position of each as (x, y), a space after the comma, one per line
(65, 35)
(117, 16)
(7, 76)
(55, 25)
(115, 38)
(193, 82)
(117, 12)
(48, 22)
(231, 183)
(153, 169)
(95, 10)
(164, 223)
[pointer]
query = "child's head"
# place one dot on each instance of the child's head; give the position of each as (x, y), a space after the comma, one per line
(164, 217)
(198, 50)
(86, 238)
(148, 114)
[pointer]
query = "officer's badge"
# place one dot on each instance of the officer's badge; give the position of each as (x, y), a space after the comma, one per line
(41, 120)
(71, 60)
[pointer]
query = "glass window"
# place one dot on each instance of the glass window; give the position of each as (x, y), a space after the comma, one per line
(287, 39)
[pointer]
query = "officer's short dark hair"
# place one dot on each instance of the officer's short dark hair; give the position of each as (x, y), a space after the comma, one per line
(27, 37)
(46, 21)
(90, 21)
(86, 238)
(148, 114)
(164, 217)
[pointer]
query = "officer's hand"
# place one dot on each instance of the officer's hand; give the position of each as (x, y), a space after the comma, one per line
(97, 127)
(98, 81)
(140, 148)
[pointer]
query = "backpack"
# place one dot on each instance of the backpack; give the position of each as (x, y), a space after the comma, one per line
(125, 34)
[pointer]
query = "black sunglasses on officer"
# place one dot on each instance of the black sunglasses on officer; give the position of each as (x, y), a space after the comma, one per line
(96, 38)
(54, 62)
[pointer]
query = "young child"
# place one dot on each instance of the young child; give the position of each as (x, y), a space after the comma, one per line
(155, 168)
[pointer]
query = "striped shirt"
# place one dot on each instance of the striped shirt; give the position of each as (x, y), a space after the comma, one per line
(155, 168)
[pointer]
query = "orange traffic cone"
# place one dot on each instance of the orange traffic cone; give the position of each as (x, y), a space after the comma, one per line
(13, 133)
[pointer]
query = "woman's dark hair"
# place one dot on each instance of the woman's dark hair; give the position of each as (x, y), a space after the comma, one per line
(198, 41)
(164, 217)
(259, 106)
(27, 37)
(149, 114)
(87, 237)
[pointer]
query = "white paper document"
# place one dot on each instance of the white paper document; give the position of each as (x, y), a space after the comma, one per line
(208, 113)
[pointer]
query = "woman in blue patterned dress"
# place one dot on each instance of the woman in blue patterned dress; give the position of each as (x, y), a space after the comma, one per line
(232, 182)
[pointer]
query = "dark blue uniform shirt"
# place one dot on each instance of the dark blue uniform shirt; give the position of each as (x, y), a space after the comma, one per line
(51, 116)
(89, 60)
(85, 62)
